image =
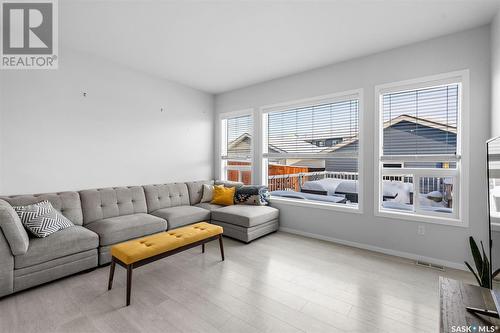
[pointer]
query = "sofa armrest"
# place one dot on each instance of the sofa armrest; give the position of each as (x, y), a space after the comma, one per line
(13, 230)
(6, 267)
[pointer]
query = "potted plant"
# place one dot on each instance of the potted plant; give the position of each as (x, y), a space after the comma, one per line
(482, 272)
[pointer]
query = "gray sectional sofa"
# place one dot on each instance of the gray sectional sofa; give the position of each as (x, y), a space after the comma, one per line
(107, 216)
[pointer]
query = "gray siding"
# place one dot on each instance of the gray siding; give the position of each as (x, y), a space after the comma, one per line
(408, 138)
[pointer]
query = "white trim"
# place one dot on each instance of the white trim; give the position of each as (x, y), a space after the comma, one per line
(361, 150)
(323, 99)
(424, 82)
(495, 226)
(239, 167)
(234, 114)
(401, 254)
(461, 218)
(317, 204)
(330, 98)
(311, 156)
(416, 217)
(257, 148)
(419, 172)
(420, 158)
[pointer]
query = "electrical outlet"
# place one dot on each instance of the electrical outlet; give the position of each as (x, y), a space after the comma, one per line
(421, 230)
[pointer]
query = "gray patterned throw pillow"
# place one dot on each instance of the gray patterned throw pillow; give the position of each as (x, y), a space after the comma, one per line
(41, 219)
(256, 195)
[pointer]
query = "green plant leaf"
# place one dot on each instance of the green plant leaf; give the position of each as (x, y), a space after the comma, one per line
(472, 271)
(478, 260)
(485, 274)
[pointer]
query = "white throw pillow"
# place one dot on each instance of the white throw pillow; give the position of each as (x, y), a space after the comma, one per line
(41, 219)
(208, 193)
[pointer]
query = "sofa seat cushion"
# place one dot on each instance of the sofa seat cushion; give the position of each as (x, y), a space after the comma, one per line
(209, 206)
(62, 243)
(245, 216)
(121, 228)
(182, 215)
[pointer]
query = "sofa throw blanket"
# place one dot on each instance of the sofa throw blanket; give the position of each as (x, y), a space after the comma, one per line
(252, 195)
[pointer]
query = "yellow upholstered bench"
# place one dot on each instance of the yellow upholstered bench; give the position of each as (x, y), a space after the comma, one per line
(141, 251)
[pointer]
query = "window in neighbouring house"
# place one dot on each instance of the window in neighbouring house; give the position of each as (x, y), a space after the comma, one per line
(310, 152)
(419, 157)
(236, 148)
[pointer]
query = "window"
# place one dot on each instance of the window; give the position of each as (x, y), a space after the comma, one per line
(494, 180)
(236, 148)
(419, 161)
(310, 150)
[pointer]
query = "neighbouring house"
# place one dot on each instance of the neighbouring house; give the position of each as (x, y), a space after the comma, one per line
(432, 136)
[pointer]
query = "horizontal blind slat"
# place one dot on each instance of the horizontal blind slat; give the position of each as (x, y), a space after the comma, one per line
(313, 129)
(421, 121)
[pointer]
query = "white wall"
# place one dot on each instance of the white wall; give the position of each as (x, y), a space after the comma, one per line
(55, 139)
(442, 244)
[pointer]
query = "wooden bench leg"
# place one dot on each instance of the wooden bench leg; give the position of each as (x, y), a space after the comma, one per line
(129, 283)
(111, 273)
(221, 247)
(203, 248)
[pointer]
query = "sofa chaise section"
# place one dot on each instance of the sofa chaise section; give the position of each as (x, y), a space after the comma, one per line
(241, 222)
(246, 223)
(172, 203)
(33, 261)
(118, 214)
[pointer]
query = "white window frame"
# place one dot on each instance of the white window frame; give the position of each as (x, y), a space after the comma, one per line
(323, 99)
(460, 215)
(221, 141)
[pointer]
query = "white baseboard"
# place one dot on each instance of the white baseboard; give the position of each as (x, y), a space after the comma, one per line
(401, 254)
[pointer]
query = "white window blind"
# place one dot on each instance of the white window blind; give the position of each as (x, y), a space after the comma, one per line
(314, 129)
(421, 122)
(238, 137)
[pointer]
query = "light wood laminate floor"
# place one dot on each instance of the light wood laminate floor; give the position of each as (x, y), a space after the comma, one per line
(279, 283)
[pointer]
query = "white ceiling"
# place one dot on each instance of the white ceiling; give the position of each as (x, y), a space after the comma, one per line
(218, 46)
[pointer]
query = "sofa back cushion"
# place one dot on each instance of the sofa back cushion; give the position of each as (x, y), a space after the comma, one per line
(166, 195)
(103, 203)
(13, 229)
(228, 183)
(195, 190)
(68, 203)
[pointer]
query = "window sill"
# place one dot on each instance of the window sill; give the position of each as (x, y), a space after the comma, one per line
(495, 223)
(317, 205)
(421, 218)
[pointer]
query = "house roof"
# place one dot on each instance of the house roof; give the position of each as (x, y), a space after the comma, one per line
(291, 143)
(420, 121)
(397, 120)
(245, 136)
(238, 140)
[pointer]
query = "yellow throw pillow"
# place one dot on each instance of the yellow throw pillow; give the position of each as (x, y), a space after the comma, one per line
(223, 195)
